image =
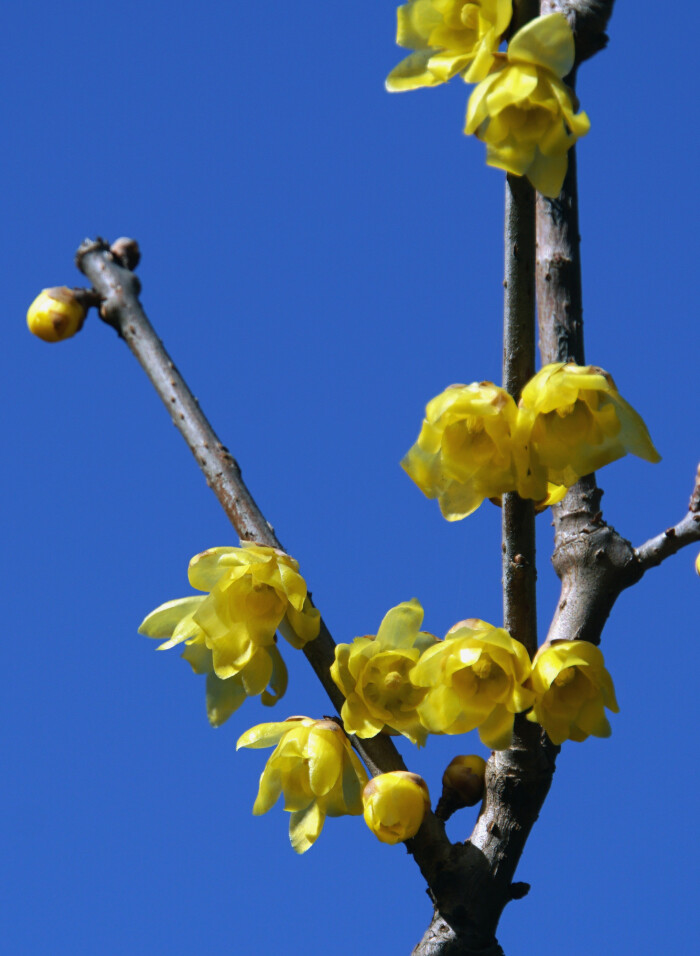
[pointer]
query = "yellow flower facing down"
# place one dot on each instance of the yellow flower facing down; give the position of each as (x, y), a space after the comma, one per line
(572, 689)
(524, 112)
(174, 620)
(372, 673)
(395, 805)
(56, 314)
(464, 452)
(314, 767)
(449, 37)
(572, 421)
(475, 679)
(254, 591)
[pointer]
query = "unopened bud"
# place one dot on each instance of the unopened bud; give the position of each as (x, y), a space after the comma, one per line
(395, 804)
(697, 564)
(56, 314)
(462, 784)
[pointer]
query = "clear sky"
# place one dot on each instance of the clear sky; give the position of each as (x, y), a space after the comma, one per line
(321, 258)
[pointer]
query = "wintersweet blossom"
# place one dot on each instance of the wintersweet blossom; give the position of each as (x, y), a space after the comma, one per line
(372, 673)
(697, 564)
(174, 621)
(395, 804)
(572, 689)
(475, 679)
(253, 591)
(572, 421)
(464, 451)
(524, 112)
(314, 767)
(56, 314)
(449, 37)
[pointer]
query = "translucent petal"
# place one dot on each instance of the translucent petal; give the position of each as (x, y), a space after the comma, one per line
(305, 827)
(269, 790)
(278, 680)
(206, 569)
(412, 73)
(223, 697)
(199, 658)
(400, 625)
(496, 731)
(264, 735)
(163, 621)
(545, 41)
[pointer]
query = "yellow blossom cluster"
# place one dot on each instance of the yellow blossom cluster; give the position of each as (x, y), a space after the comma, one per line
(475, 443)
(521, 108)
(478, 677)
(230, 633)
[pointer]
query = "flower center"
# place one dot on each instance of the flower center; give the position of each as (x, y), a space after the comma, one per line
(392, 680)
(482, 668)
(565, 677)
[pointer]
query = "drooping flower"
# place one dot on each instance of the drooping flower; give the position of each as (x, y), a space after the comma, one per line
(450, 37)
(524, 112)
(572, 689)
(372, 673)
(395, 804)
(254, 591)
(475, 679)
(464, 451)
(572, 421)
(174, 620)
(314, 767)
(56, 314)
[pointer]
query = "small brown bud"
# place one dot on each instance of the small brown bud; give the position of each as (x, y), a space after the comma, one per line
(462, 784)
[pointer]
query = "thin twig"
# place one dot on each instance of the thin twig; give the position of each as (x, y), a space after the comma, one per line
(687, 531)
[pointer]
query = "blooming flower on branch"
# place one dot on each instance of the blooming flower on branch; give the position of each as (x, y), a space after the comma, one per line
(450, 37)
(174, 620)
(475, 679)
(572, 421)
(314, 767)
(464, 451)
(372, 673)
(254, 590)
(524, 112)
(572, 689)
(395, 804)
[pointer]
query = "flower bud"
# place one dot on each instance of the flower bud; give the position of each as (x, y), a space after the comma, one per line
(395, 804)
(697, 564)
(56, 314)
(462, 784)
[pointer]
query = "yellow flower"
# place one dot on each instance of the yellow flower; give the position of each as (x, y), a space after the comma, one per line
(572, 689)
(524, 112)
(474, 678)
(572, 421)
(464, 451)
(697, 564)
(372, 673)
(395, 804)
(254, 591)
(314, 766)
(56, 314)
(449, 37)
(174, 620)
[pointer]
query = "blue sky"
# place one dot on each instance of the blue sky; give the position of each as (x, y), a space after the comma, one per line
(321, 258)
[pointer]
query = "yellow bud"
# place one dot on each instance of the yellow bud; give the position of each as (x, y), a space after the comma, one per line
(395, 804)
(462, 784)
(56, 314)
(697, 564)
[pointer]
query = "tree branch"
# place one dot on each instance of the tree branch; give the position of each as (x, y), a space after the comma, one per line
(119, 289)
(687, 531)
